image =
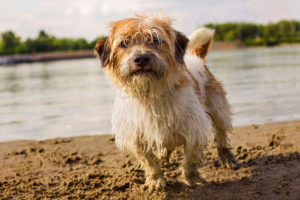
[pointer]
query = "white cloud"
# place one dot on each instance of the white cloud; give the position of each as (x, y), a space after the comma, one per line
(111, 7)
(89, 18)
(273, 11)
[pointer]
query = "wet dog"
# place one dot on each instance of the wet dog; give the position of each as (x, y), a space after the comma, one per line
(167, 97)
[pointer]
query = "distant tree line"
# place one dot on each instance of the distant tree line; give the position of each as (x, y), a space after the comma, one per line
(249, 34)
(10, 43)
(252, 34)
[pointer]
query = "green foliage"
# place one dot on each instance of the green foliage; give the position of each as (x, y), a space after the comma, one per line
(12, 44)
(256, 35)
(9, 42)
(247, 33)
(230, 35)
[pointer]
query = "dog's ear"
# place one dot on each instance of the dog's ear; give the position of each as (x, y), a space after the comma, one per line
(103, 50)
(180, 46)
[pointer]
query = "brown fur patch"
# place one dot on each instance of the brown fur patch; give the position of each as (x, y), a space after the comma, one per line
(213, 86)
(202, 50)
(102, 49)
(183, 82)
(196, 85)
(180, 46)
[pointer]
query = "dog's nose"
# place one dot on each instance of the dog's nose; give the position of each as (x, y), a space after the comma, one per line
(142, 60)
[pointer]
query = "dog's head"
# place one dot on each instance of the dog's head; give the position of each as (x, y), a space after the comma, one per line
(142, 54)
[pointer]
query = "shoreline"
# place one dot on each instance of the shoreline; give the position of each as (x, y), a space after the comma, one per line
(90, 167)
(53, 56)
(108, 134)
(43, 57)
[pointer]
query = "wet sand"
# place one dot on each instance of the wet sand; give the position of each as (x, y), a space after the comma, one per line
(90, 167)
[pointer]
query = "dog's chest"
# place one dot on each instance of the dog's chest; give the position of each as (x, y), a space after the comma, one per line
(161, 114)
(171, 113)
(164, 122)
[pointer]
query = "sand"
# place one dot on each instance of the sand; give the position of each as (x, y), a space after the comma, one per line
(90, 167)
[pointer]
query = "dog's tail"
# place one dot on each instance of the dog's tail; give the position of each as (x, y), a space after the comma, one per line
(200, 41)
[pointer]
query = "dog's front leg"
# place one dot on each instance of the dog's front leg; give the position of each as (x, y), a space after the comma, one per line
(153, 173)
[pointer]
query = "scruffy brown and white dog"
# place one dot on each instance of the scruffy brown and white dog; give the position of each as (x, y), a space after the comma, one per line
(167, 97)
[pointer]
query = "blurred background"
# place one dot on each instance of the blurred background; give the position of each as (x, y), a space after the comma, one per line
(51, 84)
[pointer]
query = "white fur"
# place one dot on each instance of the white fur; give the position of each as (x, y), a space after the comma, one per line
(177, 114)
(196, 66)
(200, 37)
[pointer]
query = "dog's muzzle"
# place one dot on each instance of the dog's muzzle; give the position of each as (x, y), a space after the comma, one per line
(142, 60)
(144, 64)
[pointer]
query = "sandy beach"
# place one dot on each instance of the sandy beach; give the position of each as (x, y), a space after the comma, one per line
(90, 167)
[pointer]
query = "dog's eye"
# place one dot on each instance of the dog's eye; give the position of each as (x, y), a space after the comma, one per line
(155, 41)
(123, 44)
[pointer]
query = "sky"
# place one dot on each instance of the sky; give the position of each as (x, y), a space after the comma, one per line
(90, 18)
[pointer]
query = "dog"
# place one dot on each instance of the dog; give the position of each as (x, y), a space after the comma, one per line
(166, 95)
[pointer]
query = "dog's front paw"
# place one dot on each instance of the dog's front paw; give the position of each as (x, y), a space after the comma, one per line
(155, 184)
(191, 178)
(227, 157)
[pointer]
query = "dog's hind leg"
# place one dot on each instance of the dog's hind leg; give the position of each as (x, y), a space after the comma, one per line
(219, 111)
(223, 147)
(153, 173)
(192, 157)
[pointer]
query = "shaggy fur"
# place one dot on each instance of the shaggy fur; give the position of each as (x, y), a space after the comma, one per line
(167, 97)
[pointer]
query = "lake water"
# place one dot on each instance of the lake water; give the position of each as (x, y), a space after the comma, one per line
(73, 97)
